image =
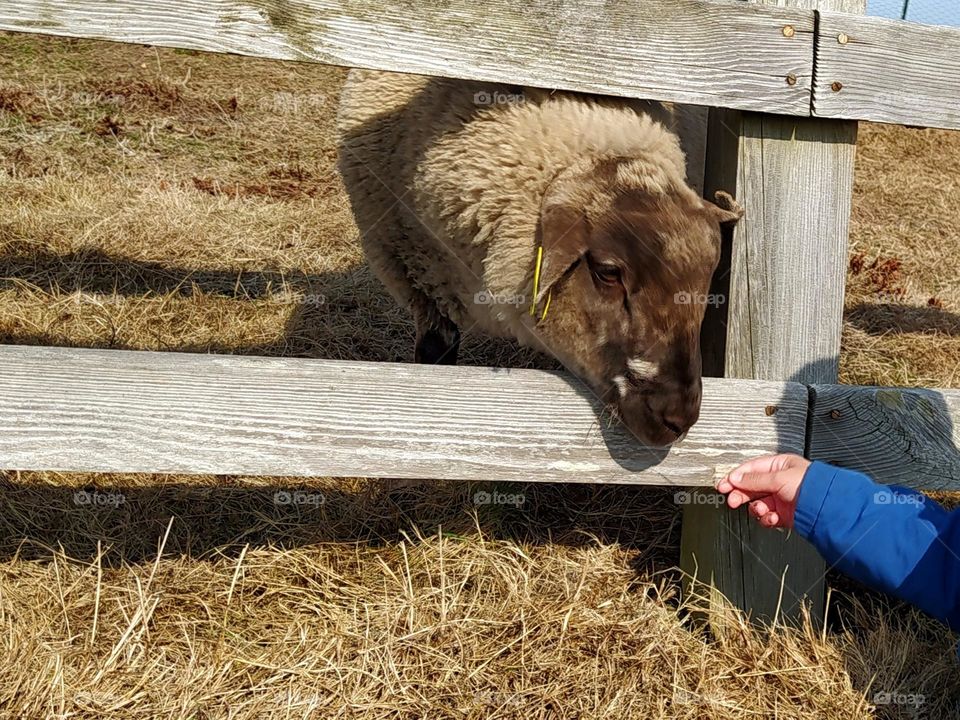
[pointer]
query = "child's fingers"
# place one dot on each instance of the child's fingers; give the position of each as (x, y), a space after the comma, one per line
(758, 484)
(736, 498)
(759, 508)
(764, 464)
(744, 492)
(770, 520)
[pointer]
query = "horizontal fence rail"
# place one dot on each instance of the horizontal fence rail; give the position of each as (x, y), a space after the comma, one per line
(887, 70)
(725, 54)
(895, 435)
(707, 53)
(125, 411)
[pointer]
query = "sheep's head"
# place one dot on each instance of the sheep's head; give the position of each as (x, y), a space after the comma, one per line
(628, 254)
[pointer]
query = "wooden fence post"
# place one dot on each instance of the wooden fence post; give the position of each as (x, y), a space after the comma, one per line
(787, 264)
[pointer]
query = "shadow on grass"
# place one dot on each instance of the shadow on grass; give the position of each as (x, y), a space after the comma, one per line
(884, 318)
(222, 515)
(344, 314)
(93, 271)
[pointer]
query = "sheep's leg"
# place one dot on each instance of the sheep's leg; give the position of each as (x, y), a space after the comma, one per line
(438, 339)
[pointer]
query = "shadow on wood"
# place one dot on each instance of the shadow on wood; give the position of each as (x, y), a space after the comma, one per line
(897, 436)
(733, 557)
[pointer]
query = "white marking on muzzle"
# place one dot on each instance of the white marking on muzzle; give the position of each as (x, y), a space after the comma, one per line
(642, 368)
(621, 382)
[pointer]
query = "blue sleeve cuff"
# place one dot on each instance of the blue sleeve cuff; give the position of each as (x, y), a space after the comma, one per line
(893, 539)
(813, 492)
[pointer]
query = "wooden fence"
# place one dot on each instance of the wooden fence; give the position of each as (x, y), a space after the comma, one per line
(766, 58)
(785, 84)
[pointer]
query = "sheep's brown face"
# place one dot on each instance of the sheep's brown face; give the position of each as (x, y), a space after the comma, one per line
(629, 291)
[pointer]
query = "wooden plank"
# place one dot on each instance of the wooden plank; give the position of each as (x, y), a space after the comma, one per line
(691, 51)
(732, 55)
(794, 178)
(788, 272)
(887, 71)
(123, 411)
(895, 435)
(785, 307)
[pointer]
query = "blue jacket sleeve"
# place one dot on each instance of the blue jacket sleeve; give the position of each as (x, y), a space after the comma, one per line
(891, 538)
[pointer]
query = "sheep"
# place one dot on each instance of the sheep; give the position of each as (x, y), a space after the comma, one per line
(559, 219)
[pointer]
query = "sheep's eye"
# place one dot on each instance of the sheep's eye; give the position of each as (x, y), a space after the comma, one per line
(608, 274)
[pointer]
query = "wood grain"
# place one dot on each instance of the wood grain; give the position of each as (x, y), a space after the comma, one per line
(124, 411)
(720, 54)
(888, 71)
(794, 178)
(795, 182)
(789, 265)
(708, 53)
(895, 435)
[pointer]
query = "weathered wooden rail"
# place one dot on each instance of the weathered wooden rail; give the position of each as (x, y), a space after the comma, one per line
(903, 436)
(745, 56)
(887, 71)
(125, 411)
(792, 82)
(84, 410)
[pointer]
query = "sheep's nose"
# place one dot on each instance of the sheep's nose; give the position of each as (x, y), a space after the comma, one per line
(681, 412)
(676, 423)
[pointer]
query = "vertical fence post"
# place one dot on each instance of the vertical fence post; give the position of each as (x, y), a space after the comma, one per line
(783, 273)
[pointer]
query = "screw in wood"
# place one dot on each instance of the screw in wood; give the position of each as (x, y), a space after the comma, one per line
(835, 414)
(791, 79)
(836, 86)
(770, 409)
(788, 31)
(843, 39)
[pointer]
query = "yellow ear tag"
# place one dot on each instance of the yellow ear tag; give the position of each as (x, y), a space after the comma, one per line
(536, 287)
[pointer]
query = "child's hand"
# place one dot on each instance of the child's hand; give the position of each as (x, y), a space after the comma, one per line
(770, 484)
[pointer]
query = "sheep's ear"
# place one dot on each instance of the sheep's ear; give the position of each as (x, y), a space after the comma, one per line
(727, 210)
(563, 237)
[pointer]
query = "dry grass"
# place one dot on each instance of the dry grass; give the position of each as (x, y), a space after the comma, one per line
(903, 291)
(167, 200)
